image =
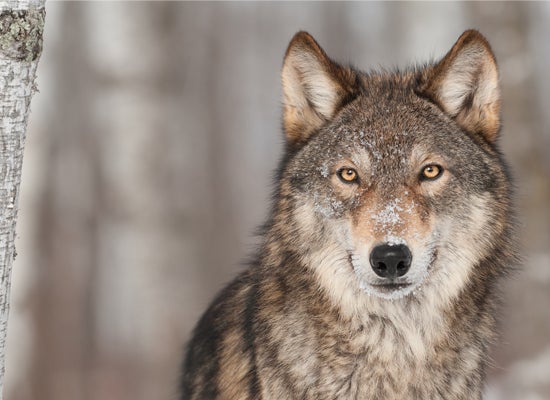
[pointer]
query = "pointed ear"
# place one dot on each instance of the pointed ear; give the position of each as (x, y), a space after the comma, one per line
(465, 85)
(314, 88)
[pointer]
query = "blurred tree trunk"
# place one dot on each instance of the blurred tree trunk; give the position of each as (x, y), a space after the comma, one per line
(21, 26)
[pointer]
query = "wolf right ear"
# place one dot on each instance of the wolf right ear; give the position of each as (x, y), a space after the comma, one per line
(314, 88)
(465, 85)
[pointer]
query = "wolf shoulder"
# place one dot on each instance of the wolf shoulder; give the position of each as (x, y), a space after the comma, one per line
(219, 343)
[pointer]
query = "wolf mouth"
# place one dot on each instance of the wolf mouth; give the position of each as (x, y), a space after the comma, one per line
(391, 287)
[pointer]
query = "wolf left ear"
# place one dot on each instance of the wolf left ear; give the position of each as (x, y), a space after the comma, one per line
(465, 85)
(314, 88)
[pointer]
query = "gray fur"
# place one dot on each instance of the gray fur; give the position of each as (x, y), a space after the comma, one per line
(307, 320)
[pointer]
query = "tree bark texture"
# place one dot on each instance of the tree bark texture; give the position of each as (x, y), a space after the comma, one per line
(21, 27)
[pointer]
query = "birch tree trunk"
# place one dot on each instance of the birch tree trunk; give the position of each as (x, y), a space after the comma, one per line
(21, 26)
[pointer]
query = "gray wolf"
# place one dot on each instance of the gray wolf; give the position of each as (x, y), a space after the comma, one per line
(391, 227)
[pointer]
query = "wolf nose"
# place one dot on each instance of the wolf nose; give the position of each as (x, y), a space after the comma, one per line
(389, 261)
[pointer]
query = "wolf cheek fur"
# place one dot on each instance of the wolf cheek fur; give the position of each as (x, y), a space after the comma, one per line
(390, 229)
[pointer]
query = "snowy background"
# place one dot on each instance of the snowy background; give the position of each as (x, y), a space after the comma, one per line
(148, 166)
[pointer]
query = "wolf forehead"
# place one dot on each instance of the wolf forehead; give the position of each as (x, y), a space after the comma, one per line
(393, 134)
(384, 126)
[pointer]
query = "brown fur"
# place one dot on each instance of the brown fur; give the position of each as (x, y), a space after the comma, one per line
(309, 319)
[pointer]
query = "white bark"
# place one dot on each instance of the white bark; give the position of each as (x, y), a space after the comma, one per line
(21, 26)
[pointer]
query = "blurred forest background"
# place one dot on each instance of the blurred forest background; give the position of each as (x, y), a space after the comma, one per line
(149, 165)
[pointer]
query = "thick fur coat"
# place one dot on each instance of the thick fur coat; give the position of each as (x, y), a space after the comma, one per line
(390, 230)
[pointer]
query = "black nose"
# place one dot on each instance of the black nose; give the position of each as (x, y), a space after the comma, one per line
(389, 261)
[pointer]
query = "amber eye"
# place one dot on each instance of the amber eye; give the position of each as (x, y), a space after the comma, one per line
(347, 175)
(431, 172)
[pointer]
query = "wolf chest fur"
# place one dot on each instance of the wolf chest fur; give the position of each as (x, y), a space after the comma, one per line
(390, 230)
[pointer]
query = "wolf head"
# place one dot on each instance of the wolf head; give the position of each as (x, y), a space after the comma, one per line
(393, 186)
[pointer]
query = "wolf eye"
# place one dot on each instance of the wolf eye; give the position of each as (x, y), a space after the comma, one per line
(347, 175)
(431, 172)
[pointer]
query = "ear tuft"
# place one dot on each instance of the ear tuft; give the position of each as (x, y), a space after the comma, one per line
(314, 87)
(465, 85)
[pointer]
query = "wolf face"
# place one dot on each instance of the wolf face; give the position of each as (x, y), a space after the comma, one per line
(394, 178)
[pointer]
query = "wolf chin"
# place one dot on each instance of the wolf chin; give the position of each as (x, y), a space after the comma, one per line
(391, 227)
